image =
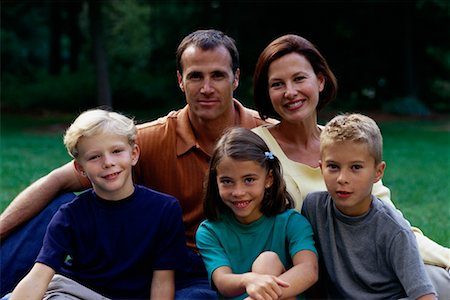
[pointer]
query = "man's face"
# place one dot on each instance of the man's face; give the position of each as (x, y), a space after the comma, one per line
(208, 81)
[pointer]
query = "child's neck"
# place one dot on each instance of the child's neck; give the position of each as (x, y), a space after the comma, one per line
(124, 193)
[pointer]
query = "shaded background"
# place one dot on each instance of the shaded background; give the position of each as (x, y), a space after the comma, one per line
(391, 56)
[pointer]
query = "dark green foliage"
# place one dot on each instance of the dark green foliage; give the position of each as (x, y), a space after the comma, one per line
(383, 52)
(68, 92)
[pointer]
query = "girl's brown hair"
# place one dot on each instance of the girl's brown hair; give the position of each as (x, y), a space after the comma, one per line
(244, 145)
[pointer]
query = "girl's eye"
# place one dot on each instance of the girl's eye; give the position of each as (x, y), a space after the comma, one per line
(117, 150)
(249, 180)
(225, 181)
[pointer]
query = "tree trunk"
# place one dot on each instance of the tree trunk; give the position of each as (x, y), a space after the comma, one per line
(55, 61)
(73, 11)
(100, 59)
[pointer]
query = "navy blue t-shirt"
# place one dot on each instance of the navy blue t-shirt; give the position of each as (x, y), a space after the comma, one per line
(113, 247)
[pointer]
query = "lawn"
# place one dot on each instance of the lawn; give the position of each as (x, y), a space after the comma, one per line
(417, 153)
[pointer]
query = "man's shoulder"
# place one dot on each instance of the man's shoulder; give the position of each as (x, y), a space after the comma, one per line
(249, 117)
(160, 122)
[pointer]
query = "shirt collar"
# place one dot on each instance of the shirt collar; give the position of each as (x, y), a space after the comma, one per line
(185, 135)
(186, 139)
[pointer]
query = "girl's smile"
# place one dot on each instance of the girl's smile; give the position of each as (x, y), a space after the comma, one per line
(242, 185)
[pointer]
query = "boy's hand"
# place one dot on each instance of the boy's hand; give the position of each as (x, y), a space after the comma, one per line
(265, 287)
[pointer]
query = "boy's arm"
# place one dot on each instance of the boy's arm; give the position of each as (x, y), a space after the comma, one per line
(36, 196)
(163, 285)
(431, 252)
(34, 284)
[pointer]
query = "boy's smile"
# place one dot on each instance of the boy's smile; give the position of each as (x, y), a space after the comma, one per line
(349, 172)
(107, 159)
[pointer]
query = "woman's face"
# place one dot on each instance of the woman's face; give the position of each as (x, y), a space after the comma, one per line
(294, 87)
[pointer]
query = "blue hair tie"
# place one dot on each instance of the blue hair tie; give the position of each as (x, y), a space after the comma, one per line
(269, 155)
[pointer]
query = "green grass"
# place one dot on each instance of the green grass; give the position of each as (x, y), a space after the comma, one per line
(417, 155)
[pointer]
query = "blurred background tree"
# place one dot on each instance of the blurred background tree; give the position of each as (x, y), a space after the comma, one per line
(72, 55)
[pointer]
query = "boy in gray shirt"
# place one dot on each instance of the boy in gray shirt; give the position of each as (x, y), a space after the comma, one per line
(366, 248)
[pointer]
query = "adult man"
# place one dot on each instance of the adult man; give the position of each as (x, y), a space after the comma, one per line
(175, 149)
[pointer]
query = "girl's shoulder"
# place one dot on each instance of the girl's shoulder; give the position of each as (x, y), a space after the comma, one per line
(289, 215)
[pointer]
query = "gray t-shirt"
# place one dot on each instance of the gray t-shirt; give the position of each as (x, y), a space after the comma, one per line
(373, 256)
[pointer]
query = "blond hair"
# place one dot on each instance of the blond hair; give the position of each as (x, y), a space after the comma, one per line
(98, 121)
(356, 128)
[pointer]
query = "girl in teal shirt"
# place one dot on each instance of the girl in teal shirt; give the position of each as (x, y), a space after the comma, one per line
(253, 243)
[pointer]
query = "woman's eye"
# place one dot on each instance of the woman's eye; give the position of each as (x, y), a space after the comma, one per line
(276, 84)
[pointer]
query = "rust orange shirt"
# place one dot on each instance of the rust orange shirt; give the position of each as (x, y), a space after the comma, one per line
(172, 161)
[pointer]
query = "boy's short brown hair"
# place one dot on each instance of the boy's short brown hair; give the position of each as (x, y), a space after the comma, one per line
(356, 128)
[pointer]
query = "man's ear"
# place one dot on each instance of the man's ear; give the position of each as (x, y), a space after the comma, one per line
(79, 168)
(379, 171)
(237, 75)
(180, 81)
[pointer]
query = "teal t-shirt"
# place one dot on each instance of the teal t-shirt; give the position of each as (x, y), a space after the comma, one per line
(229, 243)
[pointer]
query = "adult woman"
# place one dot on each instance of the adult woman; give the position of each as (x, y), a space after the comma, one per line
(292, 82)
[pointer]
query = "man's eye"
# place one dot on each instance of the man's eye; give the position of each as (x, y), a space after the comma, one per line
(218, 75)
(194, 76)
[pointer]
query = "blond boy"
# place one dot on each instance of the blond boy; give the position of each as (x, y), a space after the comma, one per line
(117, 240)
